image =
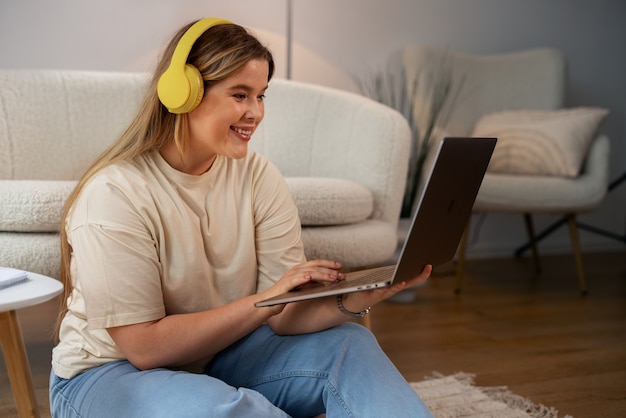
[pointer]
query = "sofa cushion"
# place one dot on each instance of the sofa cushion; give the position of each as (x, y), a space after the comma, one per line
(330, 201)
(32, 205)
(36, 206)
(541, 142)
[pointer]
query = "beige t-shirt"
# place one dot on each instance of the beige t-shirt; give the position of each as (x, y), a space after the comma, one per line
(150, 241)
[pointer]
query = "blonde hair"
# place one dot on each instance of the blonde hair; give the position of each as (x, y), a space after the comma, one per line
(218, 53)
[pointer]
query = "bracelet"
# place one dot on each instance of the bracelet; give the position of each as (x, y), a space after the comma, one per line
(347, 312)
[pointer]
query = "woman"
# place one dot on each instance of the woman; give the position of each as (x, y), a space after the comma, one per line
(171, 237)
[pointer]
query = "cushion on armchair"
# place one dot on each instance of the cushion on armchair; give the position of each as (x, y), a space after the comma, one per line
(541, 142)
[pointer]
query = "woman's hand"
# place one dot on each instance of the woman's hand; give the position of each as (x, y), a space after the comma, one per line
(313, 271)
(356, 302)
(309, 272)
(318, 314)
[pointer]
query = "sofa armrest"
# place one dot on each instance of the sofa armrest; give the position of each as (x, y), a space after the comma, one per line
(315, 131)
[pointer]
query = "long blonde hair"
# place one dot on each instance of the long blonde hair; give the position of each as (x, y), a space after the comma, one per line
(218, 53)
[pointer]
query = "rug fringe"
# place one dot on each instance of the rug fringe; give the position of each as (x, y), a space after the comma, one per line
(504, 395)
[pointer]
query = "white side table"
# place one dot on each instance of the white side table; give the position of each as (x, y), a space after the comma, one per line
(36, 290)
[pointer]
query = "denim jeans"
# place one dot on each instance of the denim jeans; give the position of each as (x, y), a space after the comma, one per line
(341, 372)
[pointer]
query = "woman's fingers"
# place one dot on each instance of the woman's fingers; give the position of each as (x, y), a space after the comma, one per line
(310, 271)
(319, 270)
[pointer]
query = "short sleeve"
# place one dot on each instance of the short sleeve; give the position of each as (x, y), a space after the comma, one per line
(115, 264)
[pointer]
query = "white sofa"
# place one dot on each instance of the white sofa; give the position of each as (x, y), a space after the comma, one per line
(344, 157)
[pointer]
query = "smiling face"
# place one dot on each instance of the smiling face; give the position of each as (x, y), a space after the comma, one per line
(224, 121)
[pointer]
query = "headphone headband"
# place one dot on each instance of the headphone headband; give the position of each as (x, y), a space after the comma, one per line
(180, 87)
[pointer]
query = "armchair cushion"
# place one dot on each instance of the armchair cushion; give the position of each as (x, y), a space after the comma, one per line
(553, 194)
(541, 142)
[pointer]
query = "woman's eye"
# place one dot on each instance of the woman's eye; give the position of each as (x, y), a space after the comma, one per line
(261, 97)
(239, 96)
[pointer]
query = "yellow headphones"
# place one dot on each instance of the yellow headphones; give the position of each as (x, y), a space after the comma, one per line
(180, 87)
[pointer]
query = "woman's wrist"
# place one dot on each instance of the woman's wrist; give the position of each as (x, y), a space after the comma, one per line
(349, 312)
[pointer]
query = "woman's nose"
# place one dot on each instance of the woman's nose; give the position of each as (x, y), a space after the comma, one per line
(254, 111)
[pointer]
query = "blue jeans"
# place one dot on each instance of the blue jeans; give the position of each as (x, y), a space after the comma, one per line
(341, 372)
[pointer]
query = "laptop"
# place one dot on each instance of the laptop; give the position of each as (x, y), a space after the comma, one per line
(444, 208)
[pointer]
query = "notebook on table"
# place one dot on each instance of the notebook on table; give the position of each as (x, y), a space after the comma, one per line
(10, 277)
(444, 207)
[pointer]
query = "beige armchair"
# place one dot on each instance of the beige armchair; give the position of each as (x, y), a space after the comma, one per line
(544, 165)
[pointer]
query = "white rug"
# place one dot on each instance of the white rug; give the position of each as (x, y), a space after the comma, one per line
(456, 396)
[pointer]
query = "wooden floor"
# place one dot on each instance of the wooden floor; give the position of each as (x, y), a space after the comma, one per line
(536, 335)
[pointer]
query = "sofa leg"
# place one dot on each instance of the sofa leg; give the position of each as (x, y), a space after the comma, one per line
(460, 263)
(573, 232)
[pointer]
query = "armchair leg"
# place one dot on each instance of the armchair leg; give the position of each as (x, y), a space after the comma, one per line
(573, 232)
(530, 231)
(461, 259)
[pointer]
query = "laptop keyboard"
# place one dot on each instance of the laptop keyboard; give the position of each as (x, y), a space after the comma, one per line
(378, 275)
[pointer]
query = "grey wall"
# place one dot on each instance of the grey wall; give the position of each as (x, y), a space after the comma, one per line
(337, 38)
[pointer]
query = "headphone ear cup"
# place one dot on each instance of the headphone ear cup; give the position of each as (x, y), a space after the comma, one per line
(196, 89)
(181, 92)
(181, 87)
